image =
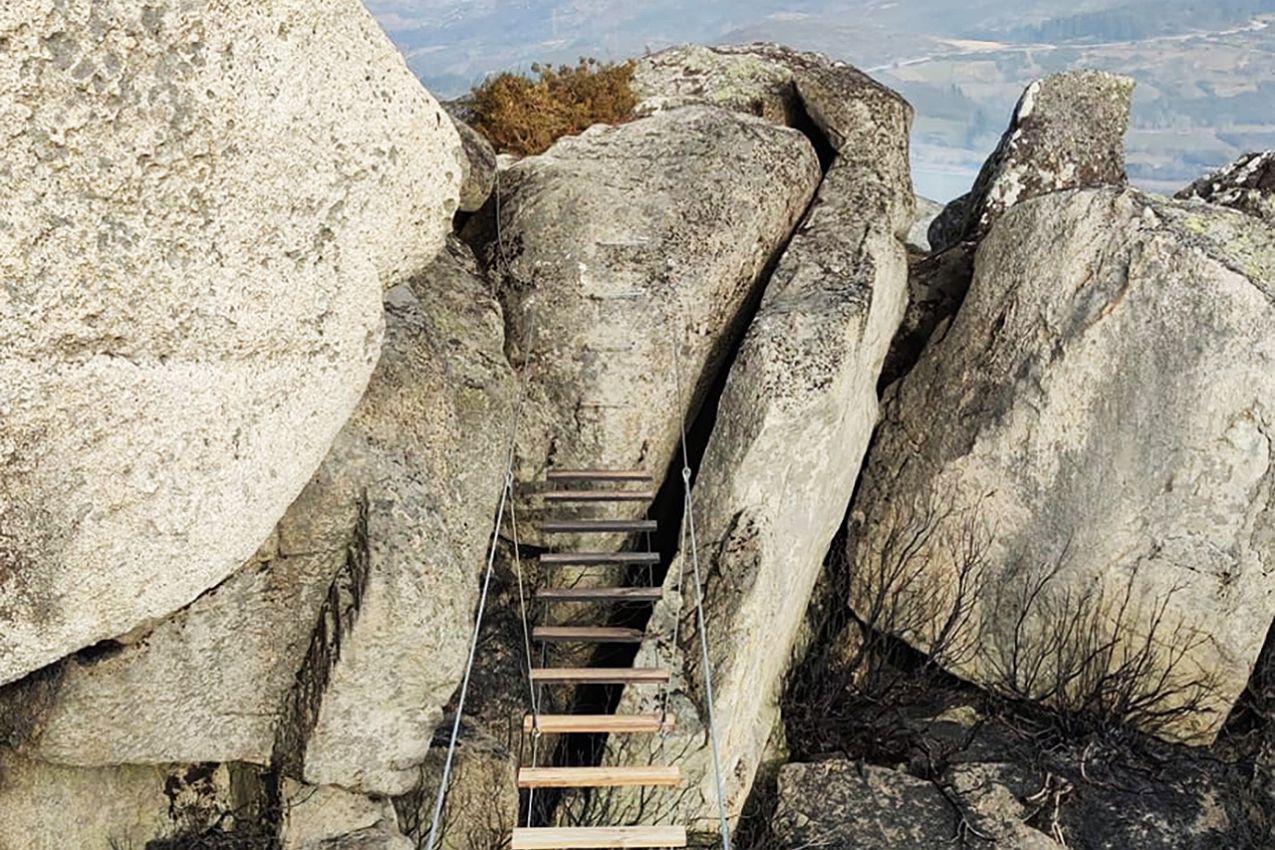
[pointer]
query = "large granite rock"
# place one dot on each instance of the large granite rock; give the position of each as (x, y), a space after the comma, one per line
(424, 456)
(1067, 133)
(1072, 491)
(1248, 185)
(792, 426)
(859, 807)
(618, 245)
(328, 818)
(331, 653)
(201, 205)
(478, 167)
(50, 807)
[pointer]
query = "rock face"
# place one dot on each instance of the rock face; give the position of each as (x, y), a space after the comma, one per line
(841, 804)
(620, 237)
(1083, 464)
(478, 167)
(1067, 133)
(424, 455)
(200, 209)
(46, 807)
(328, 818)
(333, 651)
(793, 423)
(1248, 185)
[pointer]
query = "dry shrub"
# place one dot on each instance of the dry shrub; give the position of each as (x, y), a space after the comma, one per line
(522, 115)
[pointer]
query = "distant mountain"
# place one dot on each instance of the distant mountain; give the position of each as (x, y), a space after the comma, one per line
(1206, 70)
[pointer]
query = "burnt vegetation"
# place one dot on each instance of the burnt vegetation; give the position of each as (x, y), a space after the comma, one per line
(1081, 679)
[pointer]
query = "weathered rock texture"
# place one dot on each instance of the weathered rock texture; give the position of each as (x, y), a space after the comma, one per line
(333, 651)
(424, 453)
(47, 807)
(200, 207)
(1083, 464)
(792, 425)
(615, 240)
(753, 78)
(1067, 133)
(478, 167)
(842, 804)
(1248, 185)
(327, 818)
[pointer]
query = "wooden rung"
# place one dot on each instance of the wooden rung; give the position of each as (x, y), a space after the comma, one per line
(557, 559)
(611, 776)
(590, 526)
(600, 594)
(599, 496)
(554, 724)
(599, 675)
(590, 837)
(586, 634)
(598, 475)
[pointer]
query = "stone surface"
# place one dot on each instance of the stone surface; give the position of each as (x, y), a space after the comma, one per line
(990, 797)
(847, 805)
(792, 425)
(340, 642)
(1248, 185)
(1067, 132)
(620, 237)
(209, 684)
(937, 284)
(327, 818)
(424, 455)
(478, 167)
(1089, 446)
(48, 807)
(201, 205)
(919, 233)
(751, 78)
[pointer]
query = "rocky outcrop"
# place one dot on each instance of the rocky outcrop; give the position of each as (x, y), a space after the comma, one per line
(792, 425)
(1248, 185)
(1071, 497)
(48, 807)
(332, 652)
(327, 818)
(616, 240)
(842, 804)
(478, 167)
(425, 451)
(1067, 133)
(927, 211)
(200, 210)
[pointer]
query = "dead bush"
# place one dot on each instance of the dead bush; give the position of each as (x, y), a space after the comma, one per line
(522, 115)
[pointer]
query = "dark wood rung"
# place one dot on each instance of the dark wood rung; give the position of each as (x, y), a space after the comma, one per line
(557, 559)
(586, 634)
(591, 837)
(593, 526)
(598, 475)
(600, 594)
(599, 496)
(599, 675)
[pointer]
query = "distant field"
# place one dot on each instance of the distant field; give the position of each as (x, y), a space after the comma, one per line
(1206, 71)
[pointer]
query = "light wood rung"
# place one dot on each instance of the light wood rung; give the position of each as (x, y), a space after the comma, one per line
(586, 634)
(599, 496)
(599, 675)
(598, 475)
(612, 776)
(561, 724)
(592, 526)
(590, 837)
(600, 594)
(558, 559)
